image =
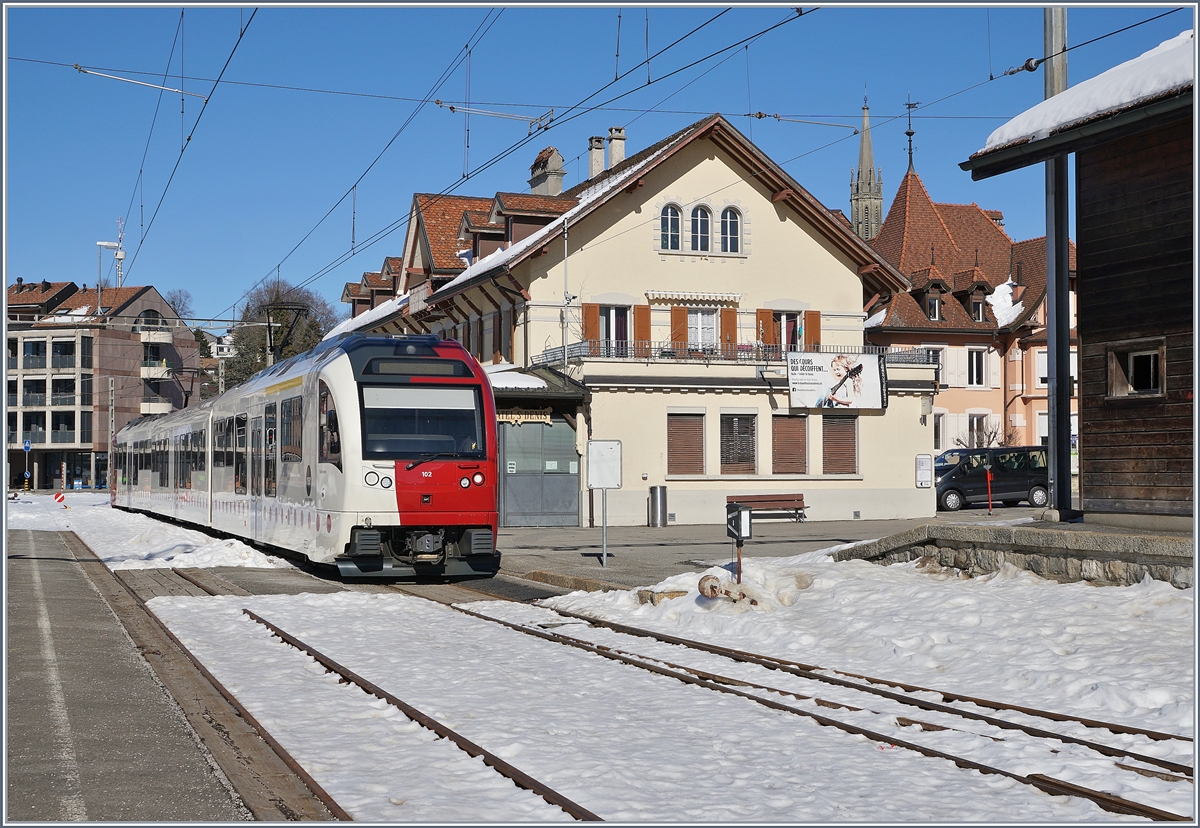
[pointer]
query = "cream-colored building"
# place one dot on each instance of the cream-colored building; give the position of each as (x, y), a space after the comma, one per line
(670, 288)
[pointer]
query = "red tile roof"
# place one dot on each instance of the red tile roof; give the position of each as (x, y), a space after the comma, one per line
(528, 204)
(35, 293)
(441, 216)
(113, 298)
(477, 222)
(376, 281)
(354, 290)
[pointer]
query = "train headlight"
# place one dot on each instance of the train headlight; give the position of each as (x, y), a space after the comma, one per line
(371, 478)
(465, 482)
(386, 482)
(477, 478)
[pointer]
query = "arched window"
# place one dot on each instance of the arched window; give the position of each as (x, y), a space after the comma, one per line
(670, 228)
(701, 219)
(731, 231)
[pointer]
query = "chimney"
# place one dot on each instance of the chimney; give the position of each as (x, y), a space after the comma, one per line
(20, 286)
(546, 174)
(616, 146)
(595, 156)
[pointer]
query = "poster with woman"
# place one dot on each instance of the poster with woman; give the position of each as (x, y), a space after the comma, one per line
(837, 382)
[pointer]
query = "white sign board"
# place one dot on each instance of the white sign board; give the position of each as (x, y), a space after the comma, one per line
(841, 382)
(604, 464)
(924, 471)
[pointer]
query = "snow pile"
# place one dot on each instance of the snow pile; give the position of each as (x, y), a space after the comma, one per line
(1002, 304)
(1164, 68)
(1122, 654)
(130, 541)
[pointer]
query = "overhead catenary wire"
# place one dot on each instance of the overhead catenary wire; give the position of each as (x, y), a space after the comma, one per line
(186, 144)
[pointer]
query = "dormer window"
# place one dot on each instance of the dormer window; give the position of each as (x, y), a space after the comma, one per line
(977, 310)
(933, 307)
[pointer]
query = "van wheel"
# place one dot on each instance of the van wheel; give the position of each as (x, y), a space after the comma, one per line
(952, 501)
(1038, 496)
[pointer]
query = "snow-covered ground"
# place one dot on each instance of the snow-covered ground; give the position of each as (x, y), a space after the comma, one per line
(632, 746)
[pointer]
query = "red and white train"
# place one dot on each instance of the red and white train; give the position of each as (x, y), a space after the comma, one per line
(373, 454)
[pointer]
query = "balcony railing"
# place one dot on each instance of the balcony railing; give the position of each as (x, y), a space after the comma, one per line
(648, 351)
(12, 437)
(34, 437)
(33, 362)
(12, 400)
(12, 363)
(33, 400)
(62, 399)
(62, 436)
(156, 398)
(62, 361)
(156, 363)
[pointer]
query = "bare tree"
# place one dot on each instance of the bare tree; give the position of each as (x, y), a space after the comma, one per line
(250, 334)
(180, 301)
(991, 433)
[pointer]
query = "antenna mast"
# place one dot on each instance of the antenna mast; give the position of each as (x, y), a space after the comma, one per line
(119, 255)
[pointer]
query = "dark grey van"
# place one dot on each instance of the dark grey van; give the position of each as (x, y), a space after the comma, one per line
(1018, 473)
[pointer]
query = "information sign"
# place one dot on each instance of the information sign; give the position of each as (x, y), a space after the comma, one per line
(604, 464)
(737, 522)
(924, 471)
(27, 445)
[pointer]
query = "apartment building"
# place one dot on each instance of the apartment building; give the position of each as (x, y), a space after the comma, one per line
(81, 364)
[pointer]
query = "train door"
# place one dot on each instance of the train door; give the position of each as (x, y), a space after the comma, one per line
(256, 477)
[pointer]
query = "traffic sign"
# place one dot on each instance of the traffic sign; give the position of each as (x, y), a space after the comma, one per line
(737, 522)
(59, 497)
(26, 475)
(27, 445)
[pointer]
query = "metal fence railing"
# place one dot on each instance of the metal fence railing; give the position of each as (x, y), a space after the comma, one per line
(62, 436)
(62, 399)
(62, 361)
(669, 351)
(33, 400)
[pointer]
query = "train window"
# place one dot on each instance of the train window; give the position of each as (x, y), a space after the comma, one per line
(270, 457)
(291, 425)
(417, 367)
(239, 454)
(409, 422)
(201, 438)
(331, 440)
(229, 442)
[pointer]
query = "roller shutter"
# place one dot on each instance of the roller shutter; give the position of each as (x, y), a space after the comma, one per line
(738, 443)
(685, 444)
(840, 437)
(789, 445)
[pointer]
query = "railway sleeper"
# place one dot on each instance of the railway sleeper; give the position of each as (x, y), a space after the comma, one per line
(416, 551)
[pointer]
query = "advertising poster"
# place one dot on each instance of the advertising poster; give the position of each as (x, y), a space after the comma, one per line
(837, 382)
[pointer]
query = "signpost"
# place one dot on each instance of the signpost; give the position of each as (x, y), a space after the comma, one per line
(27, 465)
(604, 473)
(738, 526)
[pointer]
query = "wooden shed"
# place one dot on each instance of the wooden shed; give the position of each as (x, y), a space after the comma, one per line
(1135, 226)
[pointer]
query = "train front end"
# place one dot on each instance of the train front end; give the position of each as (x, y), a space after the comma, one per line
(423, 498)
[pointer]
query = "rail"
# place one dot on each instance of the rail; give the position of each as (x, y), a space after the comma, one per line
(33, 400)
(743, 353)
(62, 361)
(33, 362)
(62, 436)
(62, 399)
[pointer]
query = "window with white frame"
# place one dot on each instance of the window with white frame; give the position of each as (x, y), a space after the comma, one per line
(937, 355)
(977, 430)
(1043, 367)
(701, 221)
(939, 432)
(977, 310)
(731, 231)
(670, 227)
(614, 329)
(976, 368)
(933, 308)
(790, 326)
(702, 327)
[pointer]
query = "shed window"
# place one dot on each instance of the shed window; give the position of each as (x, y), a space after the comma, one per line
(1138, 370)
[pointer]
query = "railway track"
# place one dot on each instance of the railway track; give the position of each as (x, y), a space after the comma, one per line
(955, 715)
(869, 688)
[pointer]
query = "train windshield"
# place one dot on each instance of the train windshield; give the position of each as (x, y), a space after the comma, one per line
(412, 422)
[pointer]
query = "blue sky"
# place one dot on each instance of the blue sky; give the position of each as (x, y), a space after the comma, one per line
(265, 164)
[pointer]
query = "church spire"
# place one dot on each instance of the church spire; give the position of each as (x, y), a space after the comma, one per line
(866, 185)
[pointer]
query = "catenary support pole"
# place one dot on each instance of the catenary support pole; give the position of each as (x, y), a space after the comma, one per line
(1058, 321)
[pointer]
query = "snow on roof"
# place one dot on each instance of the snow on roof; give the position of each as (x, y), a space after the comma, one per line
(1166, 67)
(515, 379)
(876, 319)
(367, 317)
(1002, 304)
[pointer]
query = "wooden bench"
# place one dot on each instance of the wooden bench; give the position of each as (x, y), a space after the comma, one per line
(790, 503)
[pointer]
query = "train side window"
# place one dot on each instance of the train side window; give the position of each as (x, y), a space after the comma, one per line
(270, 456)
(330, 442)
(239, 455)
(229, 442)
(291, 425)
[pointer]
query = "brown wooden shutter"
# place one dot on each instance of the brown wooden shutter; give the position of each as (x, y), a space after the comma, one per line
(840, 436)
(685, 444)
(679, 328)
(765, 327)
(738, 443)
(641, 330)
(789, 445)
(591, 321)
(729, 333)
(812, 330)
